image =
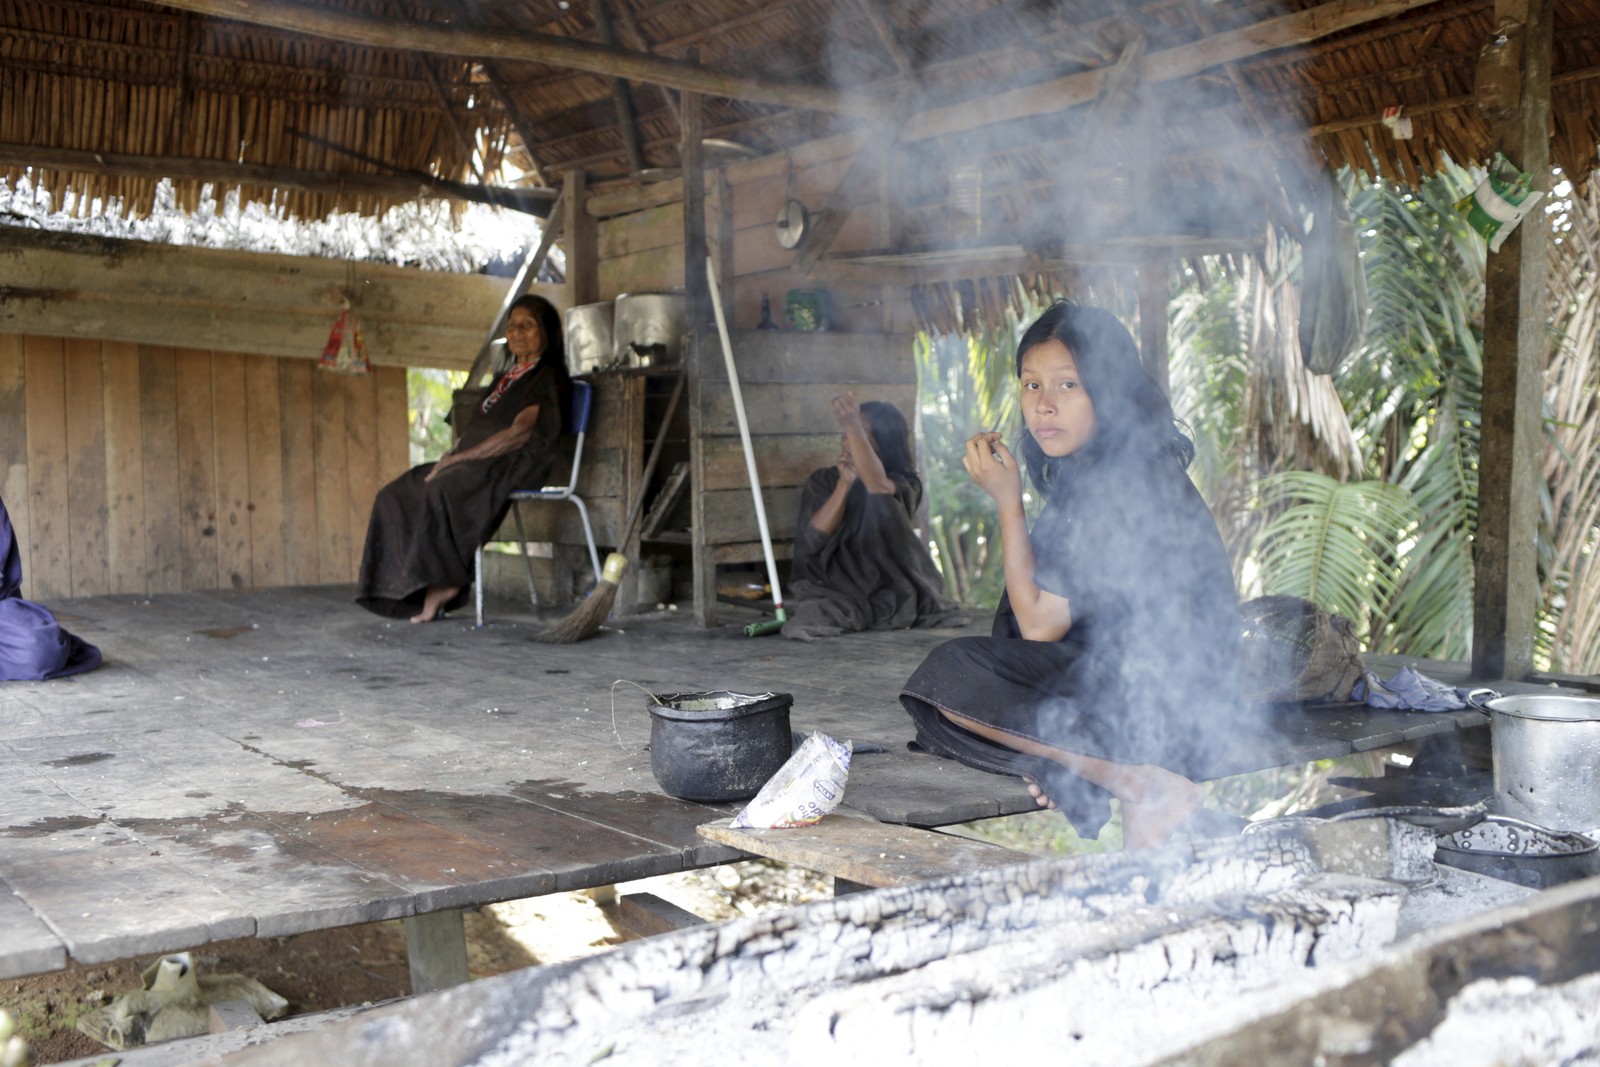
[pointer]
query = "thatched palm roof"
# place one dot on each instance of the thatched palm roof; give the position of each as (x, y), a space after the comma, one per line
(1215, 110)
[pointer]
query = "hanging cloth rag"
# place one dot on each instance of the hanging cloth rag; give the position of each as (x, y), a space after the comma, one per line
(1411, 690)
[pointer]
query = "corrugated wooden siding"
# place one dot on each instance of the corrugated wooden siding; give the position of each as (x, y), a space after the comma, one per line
(132, 468)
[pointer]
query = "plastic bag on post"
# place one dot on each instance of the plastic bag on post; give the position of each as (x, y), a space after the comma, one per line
(1500, 201)
(807, 787)
(346, 350)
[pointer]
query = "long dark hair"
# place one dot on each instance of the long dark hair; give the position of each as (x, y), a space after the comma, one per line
(1133, 418)
(555, 347)
(891, 437)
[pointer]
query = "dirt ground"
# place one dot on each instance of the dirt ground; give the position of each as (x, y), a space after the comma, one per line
(365, 964)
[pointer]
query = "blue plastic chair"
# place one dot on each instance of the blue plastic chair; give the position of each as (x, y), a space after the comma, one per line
(582, 402)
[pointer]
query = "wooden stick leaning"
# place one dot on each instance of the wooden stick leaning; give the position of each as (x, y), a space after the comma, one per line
(586, 618)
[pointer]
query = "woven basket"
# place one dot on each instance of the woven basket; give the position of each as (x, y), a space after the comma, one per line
(1292, 650)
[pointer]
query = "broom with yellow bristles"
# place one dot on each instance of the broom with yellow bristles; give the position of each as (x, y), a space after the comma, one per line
(585, 620)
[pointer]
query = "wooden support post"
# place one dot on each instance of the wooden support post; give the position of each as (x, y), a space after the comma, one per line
(436, 945)
(1154, 297)
(721, 232)
(621, 94)
(691, 154)
(581, 231)
(698, 293)
(1505, 578)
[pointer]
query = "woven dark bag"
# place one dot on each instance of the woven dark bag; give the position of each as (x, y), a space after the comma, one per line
(1292, 650)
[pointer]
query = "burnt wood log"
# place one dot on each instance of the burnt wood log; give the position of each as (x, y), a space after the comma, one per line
(1049, 955)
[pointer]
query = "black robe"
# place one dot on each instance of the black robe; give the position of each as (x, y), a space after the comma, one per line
(1148, 670)
(871, 572)
(426, 533)
(33, 646)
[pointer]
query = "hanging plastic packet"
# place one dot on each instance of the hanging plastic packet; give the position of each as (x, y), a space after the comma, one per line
(807, 787)
(346, 350)
(1501, 200)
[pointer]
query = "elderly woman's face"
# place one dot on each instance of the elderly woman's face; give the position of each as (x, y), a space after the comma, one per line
(524, 335)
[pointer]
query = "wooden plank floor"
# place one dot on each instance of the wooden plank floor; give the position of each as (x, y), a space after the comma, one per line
(264, 763)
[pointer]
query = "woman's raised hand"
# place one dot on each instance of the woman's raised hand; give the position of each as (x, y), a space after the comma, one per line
(993, 468)
(845, 409)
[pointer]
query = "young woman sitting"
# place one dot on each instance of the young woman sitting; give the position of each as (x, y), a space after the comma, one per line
(1112, 669)
(858, 564)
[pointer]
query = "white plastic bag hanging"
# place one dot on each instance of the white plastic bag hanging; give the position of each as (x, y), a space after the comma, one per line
(1501, 200)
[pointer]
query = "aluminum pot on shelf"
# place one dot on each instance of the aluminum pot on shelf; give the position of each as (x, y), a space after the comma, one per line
(649, 328)
(589, 339)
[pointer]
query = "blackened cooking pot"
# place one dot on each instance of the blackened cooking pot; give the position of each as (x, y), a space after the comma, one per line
(1521, 852)
(718, 746)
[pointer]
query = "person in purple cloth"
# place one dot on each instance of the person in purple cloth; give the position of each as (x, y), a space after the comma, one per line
(33, 645)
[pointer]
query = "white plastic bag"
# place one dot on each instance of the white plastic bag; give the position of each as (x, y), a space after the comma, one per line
(806, 788)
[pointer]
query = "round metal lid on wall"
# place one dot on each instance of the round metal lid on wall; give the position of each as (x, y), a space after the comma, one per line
(792, 221)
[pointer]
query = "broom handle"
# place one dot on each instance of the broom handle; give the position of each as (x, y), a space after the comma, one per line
(744, 436)
(637, 510)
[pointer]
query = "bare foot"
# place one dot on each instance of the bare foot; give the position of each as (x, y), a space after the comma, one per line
(1158, 814)
(1040, 797)
(434, 600)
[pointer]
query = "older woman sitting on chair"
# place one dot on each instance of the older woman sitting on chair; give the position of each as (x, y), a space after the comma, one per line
(427, 524)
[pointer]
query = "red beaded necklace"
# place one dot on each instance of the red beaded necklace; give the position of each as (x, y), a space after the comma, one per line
(505, 383)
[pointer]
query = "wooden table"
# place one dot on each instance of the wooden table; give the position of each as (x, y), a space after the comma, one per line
(267, 763)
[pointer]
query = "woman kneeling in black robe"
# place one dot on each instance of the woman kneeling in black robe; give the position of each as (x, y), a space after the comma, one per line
(858, 564)
(1112, 671)
(427, 524)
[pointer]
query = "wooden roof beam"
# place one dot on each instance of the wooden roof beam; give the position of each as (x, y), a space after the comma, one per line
(530, 47)
(885, 31)
(1170, 64)
(387, 186)
(621, 94)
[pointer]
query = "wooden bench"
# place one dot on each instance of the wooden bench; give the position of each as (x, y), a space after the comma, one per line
(861, 853)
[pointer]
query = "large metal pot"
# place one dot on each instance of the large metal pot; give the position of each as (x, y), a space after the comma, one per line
(1547, 759)
(589, 341)
(649, 328)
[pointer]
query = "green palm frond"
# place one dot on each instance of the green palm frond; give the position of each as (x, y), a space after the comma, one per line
(1334, 543)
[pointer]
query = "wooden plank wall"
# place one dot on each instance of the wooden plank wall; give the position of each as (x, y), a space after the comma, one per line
(253, 303)
(136, 468)
(643, 250)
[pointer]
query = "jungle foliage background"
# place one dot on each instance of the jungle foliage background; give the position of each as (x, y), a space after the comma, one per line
(1357, 490)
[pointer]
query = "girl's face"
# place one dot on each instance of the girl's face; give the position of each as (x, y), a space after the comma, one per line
(524, 335)
(1055, 405)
